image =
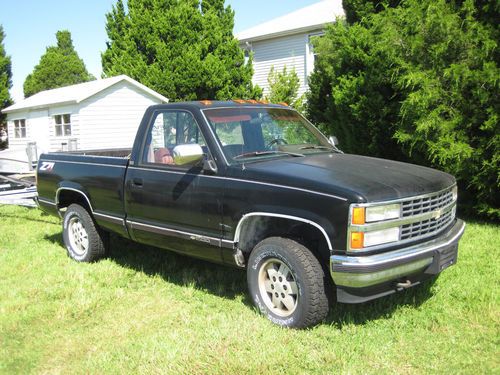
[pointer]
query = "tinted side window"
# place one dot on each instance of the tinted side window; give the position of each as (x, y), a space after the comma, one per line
(170, 129)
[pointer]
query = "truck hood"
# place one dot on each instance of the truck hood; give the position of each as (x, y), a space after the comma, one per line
(356, 178)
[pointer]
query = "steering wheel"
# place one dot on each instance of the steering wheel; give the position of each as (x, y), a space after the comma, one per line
(276, 141)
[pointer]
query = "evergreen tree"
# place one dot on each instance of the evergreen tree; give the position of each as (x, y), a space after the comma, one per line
(417, 82)
(5, 84)
(185, 50)
(284, 88)
(59, 66)
(356, 10)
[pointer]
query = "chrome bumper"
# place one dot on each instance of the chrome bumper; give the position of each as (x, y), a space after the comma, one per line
(366, 271)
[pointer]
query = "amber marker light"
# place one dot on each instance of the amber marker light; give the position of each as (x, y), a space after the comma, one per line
(206, 102)
(357, 240)
(358, 215)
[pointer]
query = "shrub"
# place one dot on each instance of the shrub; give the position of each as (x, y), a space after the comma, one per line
(416, 82)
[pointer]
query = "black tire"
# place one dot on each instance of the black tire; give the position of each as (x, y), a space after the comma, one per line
(83, 240)
(286, 283)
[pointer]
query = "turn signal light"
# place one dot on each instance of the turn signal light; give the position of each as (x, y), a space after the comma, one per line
(358, 215)
(357, 239)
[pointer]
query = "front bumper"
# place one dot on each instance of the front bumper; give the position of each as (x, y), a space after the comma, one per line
(362, 278)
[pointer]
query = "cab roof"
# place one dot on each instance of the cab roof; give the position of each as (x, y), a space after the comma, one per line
(205, 104)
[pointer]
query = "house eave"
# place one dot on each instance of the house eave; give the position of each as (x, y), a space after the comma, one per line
(132, 82)
(278, 34)
(37, 107)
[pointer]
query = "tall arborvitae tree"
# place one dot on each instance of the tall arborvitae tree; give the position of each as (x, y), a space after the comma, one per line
(185, 50)
(59, 66)
(418, 81)
(5, 85)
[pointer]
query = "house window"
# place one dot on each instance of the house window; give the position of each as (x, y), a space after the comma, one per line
(311, 54)
(63, 125)
(20, 128)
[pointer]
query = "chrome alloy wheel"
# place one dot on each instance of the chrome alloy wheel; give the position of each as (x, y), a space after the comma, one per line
(278, 287)
(78, 236)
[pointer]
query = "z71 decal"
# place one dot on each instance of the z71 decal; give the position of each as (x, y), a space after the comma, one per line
(46, 166)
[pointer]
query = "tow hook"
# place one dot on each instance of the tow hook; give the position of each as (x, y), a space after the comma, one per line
(404, 285)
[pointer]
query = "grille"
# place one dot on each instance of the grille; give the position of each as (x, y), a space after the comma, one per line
(426, 227)
(421, 217)
(426, 204)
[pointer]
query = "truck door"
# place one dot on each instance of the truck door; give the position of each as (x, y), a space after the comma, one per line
(174, 206)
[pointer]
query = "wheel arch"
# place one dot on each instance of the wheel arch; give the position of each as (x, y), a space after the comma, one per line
(66, 195)
(255, 226)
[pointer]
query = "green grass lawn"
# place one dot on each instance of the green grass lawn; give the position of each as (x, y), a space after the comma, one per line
(150, 311)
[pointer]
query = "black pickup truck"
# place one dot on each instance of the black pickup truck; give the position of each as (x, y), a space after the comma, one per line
(256, 186)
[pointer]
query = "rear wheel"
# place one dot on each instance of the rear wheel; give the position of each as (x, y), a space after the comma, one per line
(286, 283)
(84, 241)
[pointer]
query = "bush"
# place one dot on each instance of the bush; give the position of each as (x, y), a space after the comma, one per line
(418, 82)
(284, 88)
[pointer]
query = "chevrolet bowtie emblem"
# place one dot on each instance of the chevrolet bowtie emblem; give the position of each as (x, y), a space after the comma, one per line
(437, 214)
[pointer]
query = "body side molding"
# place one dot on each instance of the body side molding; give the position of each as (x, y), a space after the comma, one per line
(214, 241)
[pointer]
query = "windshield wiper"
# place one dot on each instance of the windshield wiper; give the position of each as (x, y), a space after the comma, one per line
(316, 147)
(263, 153)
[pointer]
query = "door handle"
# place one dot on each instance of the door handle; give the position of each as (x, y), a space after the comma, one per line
(137, 182)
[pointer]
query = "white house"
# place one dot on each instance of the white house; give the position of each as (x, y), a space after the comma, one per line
(286, 41)
(100, 114)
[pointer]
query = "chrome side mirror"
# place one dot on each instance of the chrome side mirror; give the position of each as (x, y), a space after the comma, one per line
(333, 141)
(187, 154)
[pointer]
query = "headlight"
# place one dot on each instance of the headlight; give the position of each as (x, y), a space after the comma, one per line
(360, 240)
(362, 215)
(381, 236)
(378, 213)
(454, 193)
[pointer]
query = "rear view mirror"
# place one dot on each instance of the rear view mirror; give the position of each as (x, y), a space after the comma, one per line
(187, 154)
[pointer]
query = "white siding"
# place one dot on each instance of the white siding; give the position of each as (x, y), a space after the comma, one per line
(38, 125)
(36, 130)
(289, 51)
(110, 119)
(293, 51)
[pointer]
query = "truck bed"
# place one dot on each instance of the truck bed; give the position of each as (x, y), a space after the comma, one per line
(97, 173)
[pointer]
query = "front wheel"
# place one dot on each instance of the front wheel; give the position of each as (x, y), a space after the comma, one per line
(286, 283)
(84, 241)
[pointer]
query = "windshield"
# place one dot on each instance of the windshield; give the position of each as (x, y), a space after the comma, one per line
(255, 133)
